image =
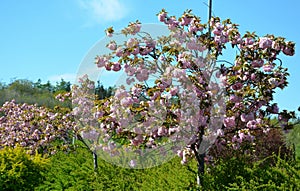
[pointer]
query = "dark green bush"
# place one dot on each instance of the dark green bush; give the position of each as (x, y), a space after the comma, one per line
(19, 170)
(293, 139)
(238, 174)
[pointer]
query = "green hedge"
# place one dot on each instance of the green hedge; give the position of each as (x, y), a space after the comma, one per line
(74, 171)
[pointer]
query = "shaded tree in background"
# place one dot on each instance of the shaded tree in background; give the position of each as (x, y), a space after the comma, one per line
(102, 92)
(63, 86)
(43, 94)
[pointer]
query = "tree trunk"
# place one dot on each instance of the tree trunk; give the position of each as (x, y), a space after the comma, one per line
(95, 158)
(200, 164)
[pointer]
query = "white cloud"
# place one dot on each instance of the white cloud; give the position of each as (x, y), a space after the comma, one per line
(67, 77)
(102, 11)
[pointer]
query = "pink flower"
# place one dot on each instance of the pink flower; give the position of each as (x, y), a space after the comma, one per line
(247, 117)
(112, 45)
(134, 28)
(186, 20)
(234, 139)
(142, 75)
(273, 82)
(257, 63)
(237, 86)
(129, 80)
(132, 163)
(236, 146)
(265, 42)
(172, 130)
(223, 39)
(155, 95)
(100, 61)
(132, 42)
(193, 28)
(135, 51)
(241, 134)
(268, 67)
(248, 41)
(224, 79)
(252, 124)
(219, 26)
(129, 70)
(245, 77)
(217, 32)
(220, 132)
(283, 118)
(162, 16)
(235, 99)
(116, 67)
(174, 91)
(276, 45)
(121, 93)
(119, 52)
(136, 90)
(180, 153)
(266, 130)
(253, 77)
(172, 23)
(107, 66)
(144, 50)
(191, 45)
(165, 83)
(229, 121)
(119, 130)
(108, 33)
(126, 102)
(98, 114)
(150, 43)
(288, 51)
(161, 131)
(60, 98)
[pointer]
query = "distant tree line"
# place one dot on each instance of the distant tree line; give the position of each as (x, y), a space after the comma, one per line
(101, 92)
(43, 94)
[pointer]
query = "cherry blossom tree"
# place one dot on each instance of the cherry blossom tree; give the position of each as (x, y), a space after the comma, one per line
(179, 96)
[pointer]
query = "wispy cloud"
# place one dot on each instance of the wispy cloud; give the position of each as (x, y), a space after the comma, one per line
(67, 77)
(102, 11)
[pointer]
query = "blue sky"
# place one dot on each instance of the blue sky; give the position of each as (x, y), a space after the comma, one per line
(48, 39)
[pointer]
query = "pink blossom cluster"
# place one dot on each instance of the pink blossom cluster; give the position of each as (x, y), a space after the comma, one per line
(33, 127)
(242, 136)
(62, 97)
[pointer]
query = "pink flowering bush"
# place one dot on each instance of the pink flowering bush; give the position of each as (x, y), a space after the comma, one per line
(35, 128)
(242, 146)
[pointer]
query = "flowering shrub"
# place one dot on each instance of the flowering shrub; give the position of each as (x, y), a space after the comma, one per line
(35, 128)
(265, 145)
